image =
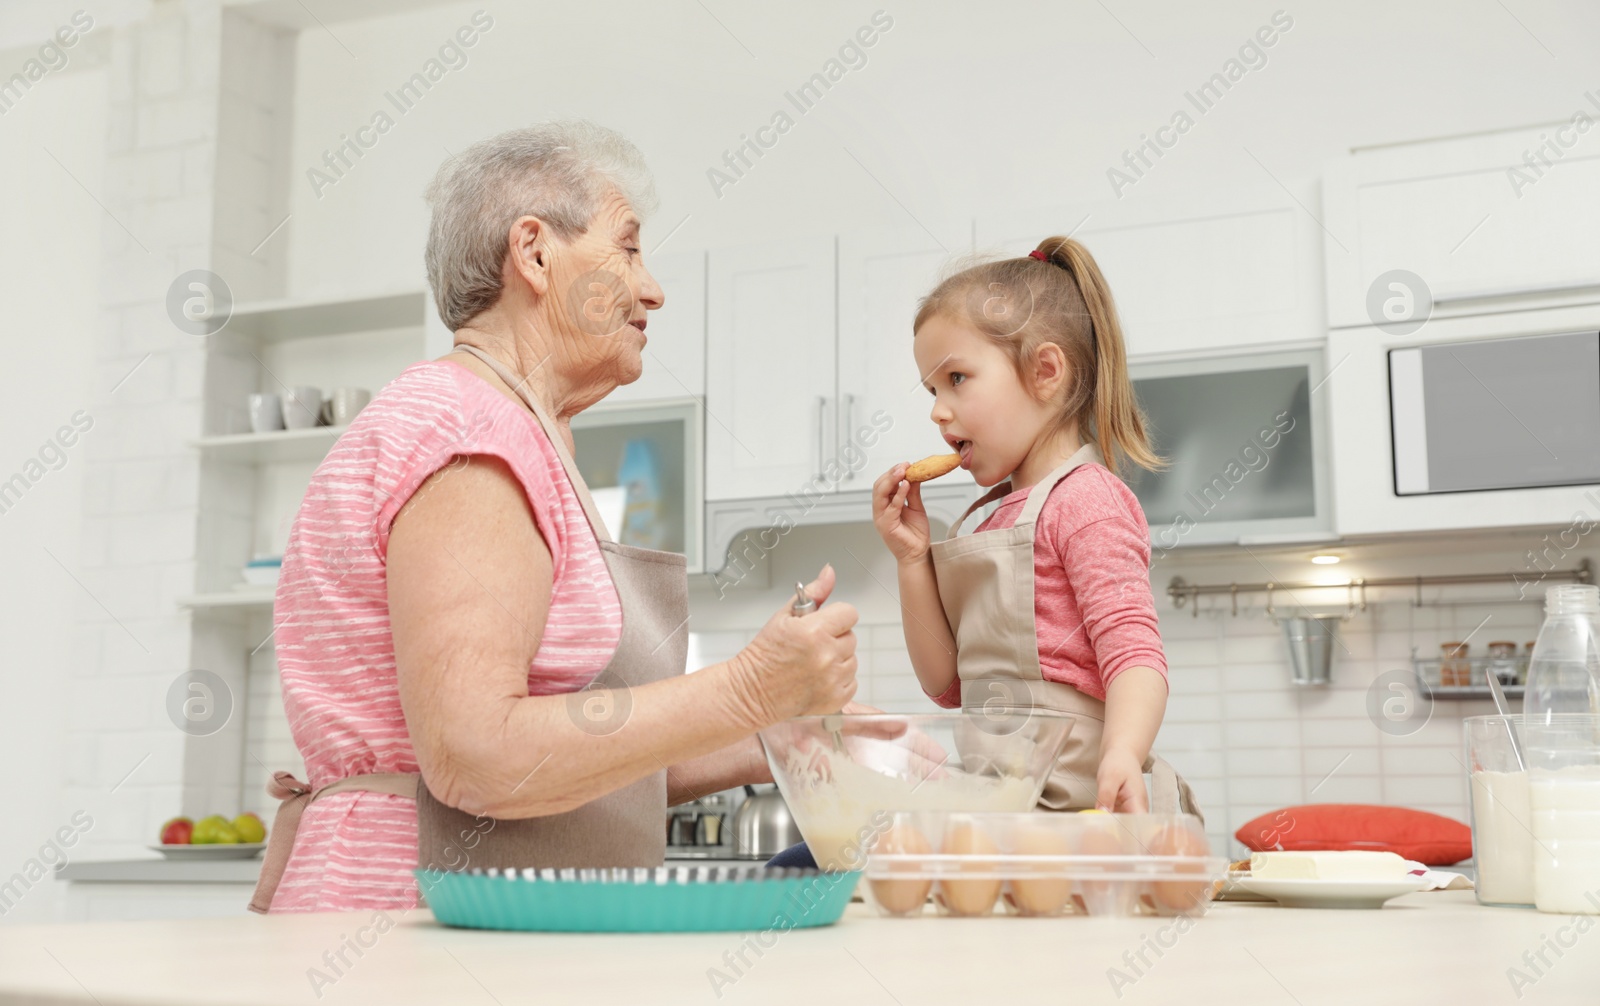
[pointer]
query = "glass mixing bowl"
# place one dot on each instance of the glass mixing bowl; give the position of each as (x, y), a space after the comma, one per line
(844, 776)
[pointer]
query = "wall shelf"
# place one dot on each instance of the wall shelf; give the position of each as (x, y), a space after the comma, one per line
(255, 597)
(1472, 692)
(279, 445)
(281, 320)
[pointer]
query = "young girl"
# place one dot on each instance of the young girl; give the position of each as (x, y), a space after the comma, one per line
(1047, 605)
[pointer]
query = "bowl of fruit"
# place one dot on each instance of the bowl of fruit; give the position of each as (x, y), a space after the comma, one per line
(213, 837)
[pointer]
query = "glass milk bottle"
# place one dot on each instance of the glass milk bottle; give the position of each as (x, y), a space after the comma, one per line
(1564, 802)
(1564, 671)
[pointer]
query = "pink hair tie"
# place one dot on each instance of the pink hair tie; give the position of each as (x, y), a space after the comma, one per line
(1036, 253)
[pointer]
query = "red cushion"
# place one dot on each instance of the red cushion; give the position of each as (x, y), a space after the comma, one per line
(1415, 834)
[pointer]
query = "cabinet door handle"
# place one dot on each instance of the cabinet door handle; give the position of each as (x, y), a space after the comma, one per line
(846, 429)
(822, 409)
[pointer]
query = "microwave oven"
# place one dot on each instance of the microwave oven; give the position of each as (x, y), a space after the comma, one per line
(1482, 421)
(1487, 414)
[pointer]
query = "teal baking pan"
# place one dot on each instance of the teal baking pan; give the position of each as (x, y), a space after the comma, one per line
(679, 899)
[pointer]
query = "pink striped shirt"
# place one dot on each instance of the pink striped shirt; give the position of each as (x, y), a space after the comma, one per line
(1092, 605)
(356, 850)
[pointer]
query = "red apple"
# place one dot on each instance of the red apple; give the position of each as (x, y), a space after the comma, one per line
(177, 831)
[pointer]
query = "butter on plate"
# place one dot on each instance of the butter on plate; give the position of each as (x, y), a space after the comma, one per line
(1348, 865)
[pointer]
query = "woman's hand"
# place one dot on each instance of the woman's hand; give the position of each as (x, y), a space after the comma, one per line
(1120, 783)
(898, 515)
(801, 665)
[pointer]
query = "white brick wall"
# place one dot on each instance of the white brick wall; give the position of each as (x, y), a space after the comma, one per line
(147, 507)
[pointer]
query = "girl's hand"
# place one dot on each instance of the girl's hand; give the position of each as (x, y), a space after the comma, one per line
(1120, 783)
(898, 515)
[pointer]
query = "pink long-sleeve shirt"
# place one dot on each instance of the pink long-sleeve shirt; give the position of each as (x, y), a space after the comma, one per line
(1092, 604)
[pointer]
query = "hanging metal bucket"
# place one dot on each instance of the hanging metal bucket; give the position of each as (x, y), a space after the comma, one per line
(1310, 648)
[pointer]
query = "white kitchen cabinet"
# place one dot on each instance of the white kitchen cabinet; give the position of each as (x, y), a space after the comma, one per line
(1503, 221)
(771, 385)
(1246, 441)
(883, 274)
(147, 889)
(1216, 270)
(1363, 446)
(675, 353)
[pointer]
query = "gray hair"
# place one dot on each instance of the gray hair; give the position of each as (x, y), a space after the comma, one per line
(560, 172)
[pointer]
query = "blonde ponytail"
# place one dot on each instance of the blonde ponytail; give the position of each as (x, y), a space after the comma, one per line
(1119, 424)
(1061, 296)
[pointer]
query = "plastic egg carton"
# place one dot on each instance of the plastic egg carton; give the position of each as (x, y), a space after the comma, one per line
(1041, 864)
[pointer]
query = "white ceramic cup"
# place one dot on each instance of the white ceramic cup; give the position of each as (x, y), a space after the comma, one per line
(266, 412)
(301, 407)
(344, 403)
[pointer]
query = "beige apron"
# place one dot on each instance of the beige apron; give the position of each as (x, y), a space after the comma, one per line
(626, 827)
(986, 586)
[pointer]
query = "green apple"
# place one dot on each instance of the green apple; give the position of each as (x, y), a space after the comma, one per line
(250, 828)
(214, 830)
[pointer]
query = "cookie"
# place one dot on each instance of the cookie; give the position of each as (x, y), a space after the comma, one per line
(932, 467)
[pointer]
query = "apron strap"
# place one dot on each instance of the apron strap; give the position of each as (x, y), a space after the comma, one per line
(1041, 491)
(1169, 792)
(998, 492)
(294, 797)
(520, 386)
(1036, 496)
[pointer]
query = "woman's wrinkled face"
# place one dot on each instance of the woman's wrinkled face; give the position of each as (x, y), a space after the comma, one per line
(980, 405)
(603, 292)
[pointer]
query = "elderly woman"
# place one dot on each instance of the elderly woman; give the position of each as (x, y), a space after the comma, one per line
(475, 673)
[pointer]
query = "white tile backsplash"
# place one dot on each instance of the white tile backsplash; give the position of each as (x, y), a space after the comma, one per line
(1340, 788)
(1277, 791)
(1421, 761)
(1194, 708)
(1189, 679)
(1326, 764)
(1335, 733)
(1276, 763)
(1266, 734)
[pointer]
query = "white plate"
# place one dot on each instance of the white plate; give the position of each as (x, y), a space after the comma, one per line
(238, 850)
(1233, 889)
(1332, 893)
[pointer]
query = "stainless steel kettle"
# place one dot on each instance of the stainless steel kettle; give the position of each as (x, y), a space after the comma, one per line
(763, 826)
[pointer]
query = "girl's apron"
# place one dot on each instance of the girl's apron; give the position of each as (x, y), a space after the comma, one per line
(986, 585)
(625, 827)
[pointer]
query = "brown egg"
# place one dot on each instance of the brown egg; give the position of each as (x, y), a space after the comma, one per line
(901, 897)
(1180, 895)
(1105, 837)
(976, 896)
(1040, 895)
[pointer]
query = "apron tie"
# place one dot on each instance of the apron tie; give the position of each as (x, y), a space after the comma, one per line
(293, 798)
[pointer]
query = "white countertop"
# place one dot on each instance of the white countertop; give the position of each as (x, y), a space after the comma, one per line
(1438, 947)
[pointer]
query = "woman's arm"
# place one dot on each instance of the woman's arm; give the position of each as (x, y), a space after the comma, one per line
(469, 582)
(735, 765)
(741, 763)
